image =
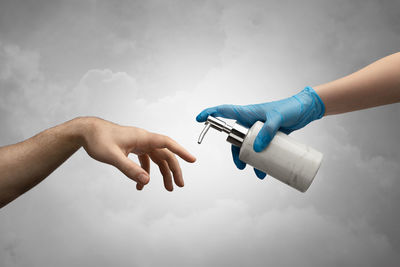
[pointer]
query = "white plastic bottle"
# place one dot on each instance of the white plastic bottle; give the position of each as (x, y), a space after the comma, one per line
(285, 158)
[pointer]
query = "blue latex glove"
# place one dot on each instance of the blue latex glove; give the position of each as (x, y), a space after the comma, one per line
(286, 115)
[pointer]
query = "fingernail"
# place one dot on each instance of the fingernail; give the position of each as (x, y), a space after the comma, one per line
(143, 178)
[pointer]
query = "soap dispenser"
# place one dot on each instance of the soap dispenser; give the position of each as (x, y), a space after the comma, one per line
(285, 158)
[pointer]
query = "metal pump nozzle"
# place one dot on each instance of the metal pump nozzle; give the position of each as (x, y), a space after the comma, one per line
(236, 133)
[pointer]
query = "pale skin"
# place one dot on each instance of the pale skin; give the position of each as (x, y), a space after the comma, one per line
(375, 85)
(25, 164)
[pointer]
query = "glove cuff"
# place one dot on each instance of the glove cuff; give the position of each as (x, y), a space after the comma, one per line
(319, 106)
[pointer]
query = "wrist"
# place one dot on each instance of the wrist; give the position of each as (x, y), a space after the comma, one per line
(78, 129)
(317, 103)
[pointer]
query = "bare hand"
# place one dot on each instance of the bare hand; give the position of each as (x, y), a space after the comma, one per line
(111, 143)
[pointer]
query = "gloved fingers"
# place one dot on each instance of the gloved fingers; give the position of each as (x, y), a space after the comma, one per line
(286, 131)
(225, 111)
(261, 175)
(235, 155)
(268, 131)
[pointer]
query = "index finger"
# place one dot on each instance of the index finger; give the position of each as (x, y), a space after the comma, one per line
(225, 111)
(161, 141)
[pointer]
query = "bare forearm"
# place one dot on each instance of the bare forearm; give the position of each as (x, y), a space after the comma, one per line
(24, 165)
(375, 85)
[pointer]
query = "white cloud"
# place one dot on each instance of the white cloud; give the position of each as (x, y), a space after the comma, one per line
(18, 65)
(105, 94)
(224, 234)
(161, 73)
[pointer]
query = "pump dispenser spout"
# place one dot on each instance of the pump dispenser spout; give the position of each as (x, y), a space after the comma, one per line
(284, 158)
(236, 133)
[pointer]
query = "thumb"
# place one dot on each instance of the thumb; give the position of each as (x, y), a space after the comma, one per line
(268, 131)
(132, 170)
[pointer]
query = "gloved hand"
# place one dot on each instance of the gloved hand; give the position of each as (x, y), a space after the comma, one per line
(286, 115)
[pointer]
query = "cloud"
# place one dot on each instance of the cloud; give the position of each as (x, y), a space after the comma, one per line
(122, 228)
(18, 65)
(99, 92)
(19, 70)
(156, 65)
(286, 237)
(238, 238)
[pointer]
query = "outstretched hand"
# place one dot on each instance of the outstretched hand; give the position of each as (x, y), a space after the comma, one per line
(286, 115)
(111, 143)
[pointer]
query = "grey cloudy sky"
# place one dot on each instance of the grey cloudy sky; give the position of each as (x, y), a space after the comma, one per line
(155, 65)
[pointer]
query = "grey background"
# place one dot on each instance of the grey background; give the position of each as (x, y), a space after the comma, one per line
(155, 65)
